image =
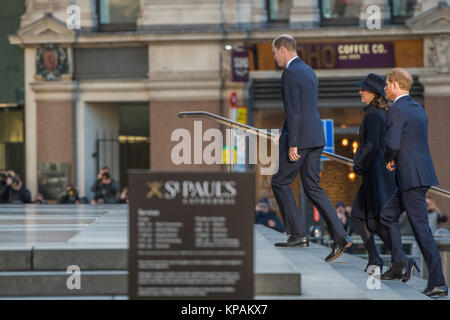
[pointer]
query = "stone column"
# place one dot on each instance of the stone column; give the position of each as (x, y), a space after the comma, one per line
(30, 123)
(244, 12)
(259, 12)
(304, 13)
(436, 80)
(89, 17)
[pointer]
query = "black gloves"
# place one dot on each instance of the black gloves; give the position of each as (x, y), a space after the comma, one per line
(357, 169)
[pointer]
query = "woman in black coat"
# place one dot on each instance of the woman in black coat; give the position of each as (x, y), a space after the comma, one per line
(378, 183)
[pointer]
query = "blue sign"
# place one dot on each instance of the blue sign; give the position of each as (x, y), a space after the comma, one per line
(328, 130)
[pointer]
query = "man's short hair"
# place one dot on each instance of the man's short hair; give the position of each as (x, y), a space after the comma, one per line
(402, 77)
(285, 40)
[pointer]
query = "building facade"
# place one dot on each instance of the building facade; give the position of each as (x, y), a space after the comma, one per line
(105, 80)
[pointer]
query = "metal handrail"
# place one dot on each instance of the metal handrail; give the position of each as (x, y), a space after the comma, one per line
(269, 135)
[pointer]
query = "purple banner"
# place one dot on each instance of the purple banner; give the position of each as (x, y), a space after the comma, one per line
(240, 66)
(348, 55)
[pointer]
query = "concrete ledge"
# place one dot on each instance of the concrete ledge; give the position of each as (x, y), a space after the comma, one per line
(274, 274)
(15, 259)
(86, 259)
(277, 284)
(54, 283)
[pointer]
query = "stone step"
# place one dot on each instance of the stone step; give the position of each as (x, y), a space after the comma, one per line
(280, 273)
(54, 283)
(61, 256)
(342, 278)
(41, 270)
(274, 273)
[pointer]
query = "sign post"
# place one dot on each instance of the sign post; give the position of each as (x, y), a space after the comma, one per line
(328, 130)
(191, 235)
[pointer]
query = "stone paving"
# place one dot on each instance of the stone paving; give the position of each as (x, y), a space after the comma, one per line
(38, 242)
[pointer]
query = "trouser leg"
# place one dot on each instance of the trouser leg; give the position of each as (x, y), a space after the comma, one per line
(287, 171)
(309, 173)
(389, 218)
(416, 209)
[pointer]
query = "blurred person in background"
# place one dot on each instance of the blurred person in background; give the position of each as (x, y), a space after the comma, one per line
(344, 216)
(124, 196)
(3, 185)
(69, 196)
(39, 199)
(12, 189)
(106, 190)
(435, 212)
(435, 217)
(265, 216)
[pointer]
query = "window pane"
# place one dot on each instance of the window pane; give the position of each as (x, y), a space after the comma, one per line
(335, 9)
(11, 125)
(118, 11)
(403, 8)
(279, 9)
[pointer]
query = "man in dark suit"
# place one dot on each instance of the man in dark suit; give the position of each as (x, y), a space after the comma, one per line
(300, 147)
(408, 154)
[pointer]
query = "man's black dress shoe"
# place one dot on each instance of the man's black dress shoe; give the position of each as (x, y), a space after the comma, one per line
(441, 291)
(339, 247)
(294, 241)
(395, 272)
(408, 270)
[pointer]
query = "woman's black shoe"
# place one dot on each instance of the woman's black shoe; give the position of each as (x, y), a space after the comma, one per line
(409, 269)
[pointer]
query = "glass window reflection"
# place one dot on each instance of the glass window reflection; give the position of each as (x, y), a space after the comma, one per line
(118, 11)
(402, 9)
(279, 10)
(338, 9)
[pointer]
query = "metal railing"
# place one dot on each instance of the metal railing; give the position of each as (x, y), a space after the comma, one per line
(268, 135)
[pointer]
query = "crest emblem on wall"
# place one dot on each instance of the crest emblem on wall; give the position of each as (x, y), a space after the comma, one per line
(51, 62)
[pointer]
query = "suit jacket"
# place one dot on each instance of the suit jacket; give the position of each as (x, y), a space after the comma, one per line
(378, 184)
(302, 127)
(407, 144)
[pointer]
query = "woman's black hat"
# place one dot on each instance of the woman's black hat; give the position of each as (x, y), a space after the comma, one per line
(374, 83)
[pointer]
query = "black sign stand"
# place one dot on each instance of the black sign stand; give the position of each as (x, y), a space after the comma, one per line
(191, 235)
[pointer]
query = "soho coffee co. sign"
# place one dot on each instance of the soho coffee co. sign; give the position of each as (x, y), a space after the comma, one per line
(191, 235)
(346, 55)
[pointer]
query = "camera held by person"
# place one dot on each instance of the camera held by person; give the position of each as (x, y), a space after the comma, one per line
(12, 189)
(105, 188)
(70, 196)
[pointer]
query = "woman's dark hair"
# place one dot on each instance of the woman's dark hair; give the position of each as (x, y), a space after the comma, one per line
(380, 102)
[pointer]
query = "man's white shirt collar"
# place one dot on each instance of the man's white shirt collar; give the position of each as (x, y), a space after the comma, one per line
(289, 62)
(401, 97)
